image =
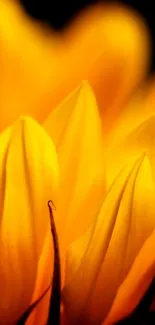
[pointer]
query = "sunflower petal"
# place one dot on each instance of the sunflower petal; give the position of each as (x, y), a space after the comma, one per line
(136, 283)
(133, 133)
(100, 260)
(29, 175)
(141, 314)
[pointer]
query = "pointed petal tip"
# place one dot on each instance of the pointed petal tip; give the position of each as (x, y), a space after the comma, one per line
(31, 128)
(30, 124)
(85, 85)
(86, 88)
(26, 119)
(82, 88)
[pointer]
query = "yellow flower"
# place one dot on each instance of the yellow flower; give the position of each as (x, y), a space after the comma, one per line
(106, 45)
(104, 200)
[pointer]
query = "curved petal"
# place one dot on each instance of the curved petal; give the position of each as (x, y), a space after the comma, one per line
(136, 283)
(75, 128)
(133, 132)
(38, 68)
(99, 261)
(29, 175)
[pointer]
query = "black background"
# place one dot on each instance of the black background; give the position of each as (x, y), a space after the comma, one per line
(60, 12)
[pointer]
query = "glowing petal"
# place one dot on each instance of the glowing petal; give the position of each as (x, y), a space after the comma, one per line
(76, 131)
(100, 260)
(29, 176)
(38, 68)
(136, 283)
(133, 132)
(131, 136)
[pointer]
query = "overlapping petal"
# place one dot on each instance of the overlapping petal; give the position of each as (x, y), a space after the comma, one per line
(136, 283)
(99, 261)
(75, 128)
(29, 177)
(132, 134)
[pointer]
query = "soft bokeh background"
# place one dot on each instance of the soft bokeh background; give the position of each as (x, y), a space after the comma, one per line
(59, 13)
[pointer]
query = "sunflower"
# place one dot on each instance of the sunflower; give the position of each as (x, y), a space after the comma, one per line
(77, 193)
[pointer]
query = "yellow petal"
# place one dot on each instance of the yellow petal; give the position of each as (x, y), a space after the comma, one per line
(29, 175)
(139, 108)
(100, 260)
(139, 136)
(75, 128)
(132, 133)
(136, 283)
(38, 68)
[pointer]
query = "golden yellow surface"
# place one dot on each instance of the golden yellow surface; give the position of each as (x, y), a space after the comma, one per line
(92, 154)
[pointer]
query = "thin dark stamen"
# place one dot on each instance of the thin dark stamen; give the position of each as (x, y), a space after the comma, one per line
(27, 313)
(55, 301)
(51, 208)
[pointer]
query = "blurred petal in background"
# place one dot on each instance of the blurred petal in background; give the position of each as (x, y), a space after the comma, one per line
(106, 45)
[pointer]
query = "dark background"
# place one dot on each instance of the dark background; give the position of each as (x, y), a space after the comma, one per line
(58, 13)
